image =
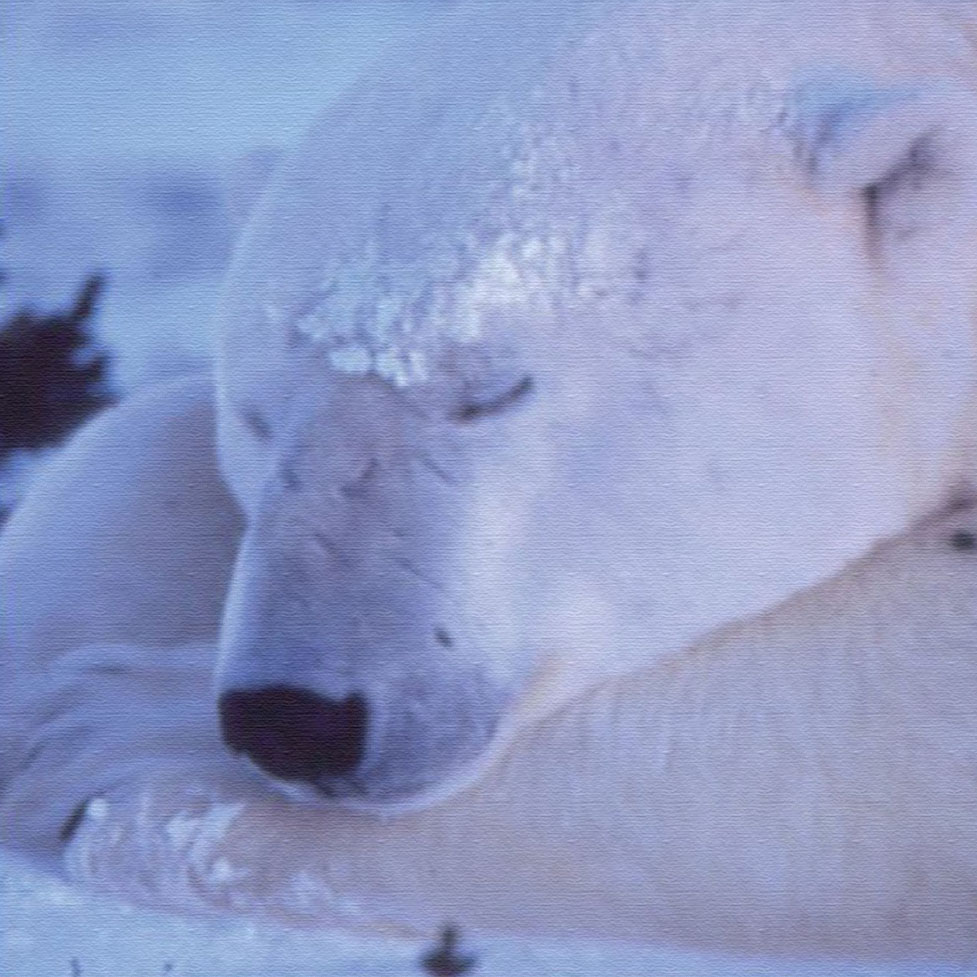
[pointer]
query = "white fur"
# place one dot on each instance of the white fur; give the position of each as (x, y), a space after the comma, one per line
(733, 246)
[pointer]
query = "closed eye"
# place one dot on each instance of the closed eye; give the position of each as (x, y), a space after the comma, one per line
(475, 409)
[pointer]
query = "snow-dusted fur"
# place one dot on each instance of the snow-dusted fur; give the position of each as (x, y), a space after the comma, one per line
(596, 400)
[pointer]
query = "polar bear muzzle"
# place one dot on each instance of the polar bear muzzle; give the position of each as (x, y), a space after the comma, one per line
(360, 654)
(393, 746)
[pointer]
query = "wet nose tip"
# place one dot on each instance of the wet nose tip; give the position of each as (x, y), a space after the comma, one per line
(294, 734)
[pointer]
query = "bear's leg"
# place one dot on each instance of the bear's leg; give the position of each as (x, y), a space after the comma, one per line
(112, 579)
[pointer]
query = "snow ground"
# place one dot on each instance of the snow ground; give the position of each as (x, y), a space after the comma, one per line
(46, 925)
(121, 119)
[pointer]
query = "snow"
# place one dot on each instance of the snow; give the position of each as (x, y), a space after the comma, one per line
(46, 925)
(196, 837)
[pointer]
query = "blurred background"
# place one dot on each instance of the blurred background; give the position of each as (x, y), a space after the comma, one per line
(124, 123)
(126, 126)
(130, 127)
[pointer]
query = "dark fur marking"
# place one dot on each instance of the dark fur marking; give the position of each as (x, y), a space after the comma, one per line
(432, 466)
(963, 539)
(475, 411)
(356, 487)
(289, 477)
(256, 423)
(443, 638)
(73, 822)
(412, 568)
(333, 549)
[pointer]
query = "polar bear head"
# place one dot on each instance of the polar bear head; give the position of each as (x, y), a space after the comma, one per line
(569, 337)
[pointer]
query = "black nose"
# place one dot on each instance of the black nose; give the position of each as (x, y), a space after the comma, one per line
(293, 734)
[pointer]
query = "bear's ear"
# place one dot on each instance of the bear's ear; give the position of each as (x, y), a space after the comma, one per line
(907, 153)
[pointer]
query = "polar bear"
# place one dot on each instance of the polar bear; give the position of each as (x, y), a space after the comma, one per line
(576, 535)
